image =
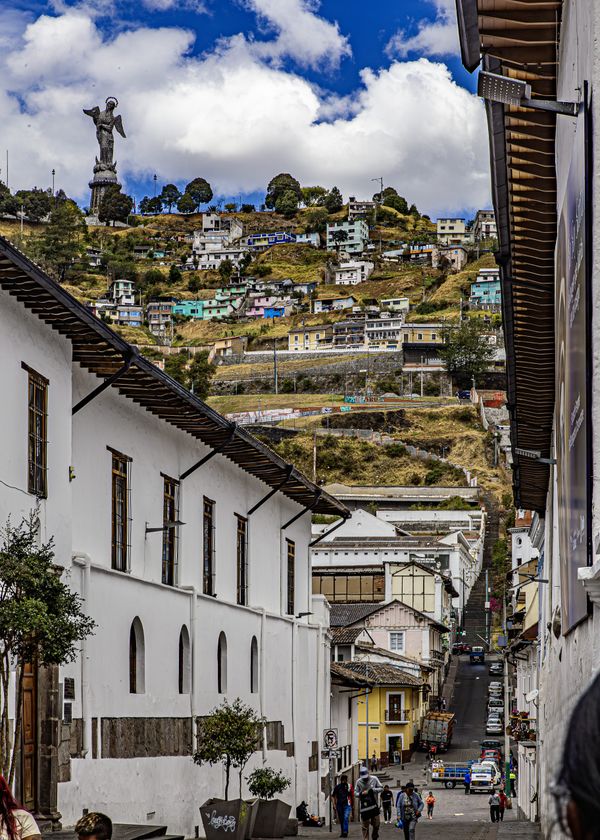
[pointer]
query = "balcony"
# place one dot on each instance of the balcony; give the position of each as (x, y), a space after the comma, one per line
(398, 716)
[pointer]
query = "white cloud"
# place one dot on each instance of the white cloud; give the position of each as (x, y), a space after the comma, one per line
(301, 33)
(167, 5)
(437, 37)
(233, 118)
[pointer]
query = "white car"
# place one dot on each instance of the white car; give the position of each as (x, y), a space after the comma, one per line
(494, 686)
(494, 727)
(493, 767)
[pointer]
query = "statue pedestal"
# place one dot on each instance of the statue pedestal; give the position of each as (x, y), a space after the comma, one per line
(98, 185)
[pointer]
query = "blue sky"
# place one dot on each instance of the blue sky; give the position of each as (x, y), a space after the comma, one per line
(237, 90)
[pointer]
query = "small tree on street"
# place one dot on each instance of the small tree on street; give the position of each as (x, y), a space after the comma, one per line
(466, 352)
(265, 782)
(229, 735)
(41, 622)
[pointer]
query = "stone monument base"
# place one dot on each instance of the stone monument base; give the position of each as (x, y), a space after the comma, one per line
(98, 186)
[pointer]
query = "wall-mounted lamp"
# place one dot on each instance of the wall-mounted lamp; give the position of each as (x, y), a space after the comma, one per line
(508, 91)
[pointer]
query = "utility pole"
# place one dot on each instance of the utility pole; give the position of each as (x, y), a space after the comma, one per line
(53, 174)
(380, 181)
(275, 366)
(367, 716)
(315, 456)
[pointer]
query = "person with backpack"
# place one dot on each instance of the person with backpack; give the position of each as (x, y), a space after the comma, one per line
(367, 790)
(387, 798)
(494, 803)
(430, 802)
(343, 800)
(409, 807)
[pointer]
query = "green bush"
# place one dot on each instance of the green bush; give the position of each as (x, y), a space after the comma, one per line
(265, 782)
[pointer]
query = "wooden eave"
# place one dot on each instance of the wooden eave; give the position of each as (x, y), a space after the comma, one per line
(520, 39)
(103, 352)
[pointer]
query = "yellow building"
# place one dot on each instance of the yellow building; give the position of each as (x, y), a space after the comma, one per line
(388, 715)
(422, 334)
(310, 338)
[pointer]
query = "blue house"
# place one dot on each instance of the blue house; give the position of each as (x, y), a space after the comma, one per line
(262, 241)
(274, 312)
(189, 308)
(486, 292)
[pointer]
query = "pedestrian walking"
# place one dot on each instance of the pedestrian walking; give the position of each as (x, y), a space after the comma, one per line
(494, 803)
(513, 782)
(467, 782)
(578, 781)
(409, 807)
(15, 822)
(343, 800)
(367, 789)
(94, 826)
(503, 801)
(387, 797)
(373, 763)
(430, 802)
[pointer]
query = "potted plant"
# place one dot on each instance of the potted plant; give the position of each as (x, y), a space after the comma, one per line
(273, 814)
(228, 736)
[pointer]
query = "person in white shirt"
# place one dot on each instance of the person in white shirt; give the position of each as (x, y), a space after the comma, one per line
(15, 822)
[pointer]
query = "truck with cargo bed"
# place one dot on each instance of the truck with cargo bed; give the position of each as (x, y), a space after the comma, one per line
(450, 774)
(437, 730)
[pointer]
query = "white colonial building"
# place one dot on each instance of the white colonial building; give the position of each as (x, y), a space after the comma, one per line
(188, 542)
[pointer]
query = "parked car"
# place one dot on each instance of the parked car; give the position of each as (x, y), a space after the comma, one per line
(491, 744)
(494, 770)
(467, 648)
(494, 727)
(494, 686)
(496, 705)
(496, 669)
(457, 648)
(493, 755)
(477, 655)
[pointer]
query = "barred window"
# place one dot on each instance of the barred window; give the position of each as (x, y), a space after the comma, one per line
(208, 547)
(242, 559)
(37, 449)
(170, 516)
(291, 577)
(120, 511)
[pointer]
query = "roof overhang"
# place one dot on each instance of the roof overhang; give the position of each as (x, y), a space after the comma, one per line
(102, 352)
(520, 40)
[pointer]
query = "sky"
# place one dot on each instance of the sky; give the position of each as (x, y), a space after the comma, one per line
(336, 92)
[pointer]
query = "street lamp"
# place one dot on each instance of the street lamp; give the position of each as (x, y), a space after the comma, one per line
(53, 174)
(508, 91)
(154, 178)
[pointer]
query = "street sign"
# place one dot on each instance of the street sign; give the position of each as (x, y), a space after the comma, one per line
(330, 753)
(330, 739)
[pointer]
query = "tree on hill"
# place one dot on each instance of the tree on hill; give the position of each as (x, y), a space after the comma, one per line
(339, 236)
(313, 196)
(226, 270)
(195, 374)
(396, 202)
(35, 203)
(115, 206)
(287, 204)
(152, 277)
(8, 203)
(333, 201)
(244, 264)
(231, 207)
(247, 208)
(200, 191)
(316, 220)
(169, 196)
(279, 185)
(466, 352)
(62, 241)
(186, 204)
(412, 210)
(150, 206)
(174, 275)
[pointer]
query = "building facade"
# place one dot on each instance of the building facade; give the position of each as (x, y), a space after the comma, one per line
(484, 226)
(450, 231)
(195, 572)
(357, 236)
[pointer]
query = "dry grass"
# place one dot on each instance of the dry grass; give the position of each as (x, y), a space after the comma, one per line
(230, 403)
(287, 367)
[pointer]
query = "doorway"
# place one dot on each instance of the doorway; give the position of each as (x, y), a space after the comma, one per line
(395, 744)
(29, 739)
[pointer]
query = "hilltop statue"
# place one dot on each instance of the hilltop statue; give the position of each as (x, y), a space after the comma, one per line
(105, 170)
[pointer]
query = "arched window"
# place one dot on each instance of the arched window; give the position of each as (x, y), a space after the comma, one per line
(254, 666)
(137, 658)
(184, 661)
(222, 664)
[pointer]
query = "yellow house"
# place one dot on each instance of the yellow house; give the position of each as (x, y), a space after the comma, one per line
(388, 714)
(310, 338)
(423, 334)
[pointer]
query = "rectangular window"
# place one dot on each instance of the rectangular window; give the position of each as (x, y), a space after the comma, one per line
(242, 559)
(291, 577)
(120, 511)
(397, 641)
(37, 449)
(170, 516)
(208, 547)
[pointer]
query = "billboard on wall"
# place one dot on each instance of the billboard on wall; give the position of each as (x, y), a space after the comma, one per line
(572, 398)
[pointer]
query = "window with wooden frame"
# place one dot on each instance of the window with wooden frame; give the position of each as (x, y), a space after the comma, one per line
(242, 559)
(291, 577)
(170, 516)
(208, 547)
(37, 433)
(120, 510)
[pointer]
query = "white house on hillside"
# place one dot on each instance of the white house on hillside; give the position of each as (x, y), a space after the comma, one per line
(187, 540)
